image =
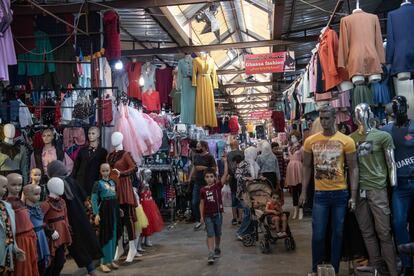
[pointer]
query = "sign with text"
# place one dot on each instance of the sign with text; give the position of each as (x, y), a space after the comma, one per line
(260, 115)
(270, 63)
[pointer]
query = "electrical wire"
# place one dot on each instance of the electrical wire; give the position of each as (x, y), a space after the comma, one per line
(321, 9)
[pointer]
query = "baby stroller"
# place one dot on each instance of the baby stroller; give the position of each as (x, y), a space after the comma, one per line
(258, 193)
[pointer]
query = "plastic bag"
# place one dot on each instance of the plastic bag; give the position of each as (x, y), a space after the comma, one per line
(226, 196)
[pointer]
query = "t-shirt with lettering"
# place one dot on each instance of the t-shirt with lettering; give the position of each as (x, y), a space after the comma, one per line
(211, 195)
(371, 148)
(329, 159)
(404, 148)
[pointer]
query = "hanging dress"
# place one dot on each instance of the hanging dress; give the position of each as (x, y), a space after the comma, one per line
(134, 73)
(7, 52)
(156, 224)
(188, 93)
(205, 79)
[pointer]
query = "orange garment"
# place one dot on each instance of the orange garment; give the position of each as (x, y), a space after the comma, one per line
(361, 50)
(151, 101)
(328, 55)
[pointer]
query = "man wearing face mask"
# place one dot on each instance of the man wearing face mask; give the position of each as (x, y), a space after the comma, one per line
(202, 161)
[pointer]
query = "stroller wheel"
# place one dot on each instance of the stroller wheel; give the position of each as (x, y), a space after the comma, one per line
(265, 246)
(292, 244)
(248, 240)
(288, 245)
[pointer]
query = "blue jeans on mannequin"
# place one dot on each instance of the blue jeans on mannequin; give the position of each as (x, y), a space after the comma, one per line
(325, 203)
(402, 199)
(196, 201)
(246, 218)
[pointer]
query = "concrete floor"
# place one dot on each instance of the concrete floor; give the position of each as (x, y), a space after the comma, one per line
(182, 251)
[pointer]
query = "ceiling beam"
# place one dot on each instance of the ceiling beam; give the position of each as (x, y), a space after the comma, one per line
(254, 35)
(213, 47)
(250, 84)
(292, 15)
(257, 5)
(116, 4)
(243, 95)
(230, 71)
(193, 16)
(236, 20)
(252, 102)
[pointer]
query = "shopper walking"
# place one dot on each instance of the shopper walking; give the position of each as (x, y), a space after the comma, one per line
(211, 209)
(278, 152)
(269, 166)
(232, 165)
(202, 161)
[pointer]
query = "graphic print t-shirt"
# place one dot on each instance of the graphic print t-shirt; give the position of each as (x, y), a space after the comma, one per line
(328, 159)
(371, 149)
(213, 203)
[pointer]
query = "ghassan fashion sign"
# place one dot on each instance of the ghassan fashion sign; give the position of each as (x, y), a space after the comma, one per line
(270, 63)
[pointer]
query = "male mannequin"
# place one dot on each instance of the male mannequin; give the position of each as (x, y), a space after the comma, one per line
(375, 158)
(25, 235)
(13, 157)
(123, 166)
(329, 149)
(402, 132)
(8, 244)
(42, 157)
(88, 162)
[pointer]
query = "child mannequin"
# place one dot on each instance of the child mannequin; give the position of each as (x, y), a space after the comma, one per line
(54, 209)
(107, 216)
(35, 178)
(153, 214)
(8, 245)
(32, 196)
(141, 223)
(25, 235)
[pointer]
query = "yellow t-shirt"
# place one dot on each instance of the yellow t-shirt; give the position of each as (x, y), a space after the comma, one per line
(250, 127)
(328, 159)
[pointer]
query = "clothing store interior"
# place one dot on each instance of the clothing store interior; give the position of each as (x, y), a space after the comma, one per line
(218, 137)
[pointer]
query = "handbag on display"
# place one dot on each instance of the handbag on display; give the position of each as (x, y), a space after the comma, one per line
(82, 108)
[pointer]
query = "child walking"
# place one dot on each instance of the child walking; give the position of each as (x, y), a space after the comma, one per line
(211, 210)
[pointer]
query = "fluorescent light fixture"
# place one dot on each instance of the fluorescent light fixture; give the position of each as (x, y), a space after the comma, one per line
(141, 81)
(119, 65)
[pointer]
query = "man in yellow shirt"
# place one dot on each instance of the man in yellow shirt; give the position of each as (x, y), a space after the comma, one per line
(326, 152)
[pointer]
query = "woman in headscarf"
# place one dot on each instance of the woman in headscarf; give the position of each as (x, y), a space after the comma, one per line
(269, 166)
(85, 246)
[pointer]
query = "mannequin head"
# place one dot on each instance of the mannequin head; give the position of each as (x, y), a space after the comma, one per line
(14, 184)
(400, 108)
(3, 186)
(93, 134)
(294, 137)
(48, 137)
(56, 187)
(105, 170)
(9, 132)
(116, 140)
(327, 116)
(56, 168)
(32, 193)
(363, 117)
(35, 176)
(147, 175)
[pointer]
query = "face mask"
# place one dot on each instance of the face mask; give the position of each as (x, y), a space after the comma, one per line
(199, 151)
(293, 139)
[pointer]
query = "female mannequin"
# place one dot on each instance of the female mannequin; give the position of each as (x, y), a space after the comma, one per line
(294, 172)
(188, 93)
(85, 246)
(123, 167)
(25, 235)
(8, 244)
(88, 161)
(56, 218)
(13, 157)
(42, 157)
(32, 194)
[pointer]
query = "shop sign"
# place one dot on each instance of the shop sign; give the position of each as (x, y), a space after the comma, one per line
(260, 115)
(270, 63)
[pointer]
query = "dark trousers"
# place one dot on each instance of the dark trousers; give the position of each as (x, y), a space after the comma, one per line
(196, 201)
(272, 178)
(57, 262)
(296, 191)
(127, 221)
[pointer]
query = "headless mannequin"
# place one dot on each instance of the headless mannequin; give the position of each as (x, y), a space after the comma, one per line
(25, 235)
(373, 200)
(403, 76)
(116, 140)
(13, 158)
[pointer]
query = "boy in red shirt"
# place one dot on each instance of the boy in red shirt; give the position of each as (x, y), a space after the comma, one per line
(211, 209)
(274, 209)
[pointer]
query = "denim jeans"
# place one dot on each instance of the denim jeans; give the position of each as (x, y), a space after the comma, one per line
(196, 201)
(213, 225)
(402, 199)
(244, 226)
(325, 203)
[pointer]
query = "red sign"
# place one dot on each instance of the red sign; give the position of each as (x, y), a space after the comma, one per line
(260, 115)
(270, 63)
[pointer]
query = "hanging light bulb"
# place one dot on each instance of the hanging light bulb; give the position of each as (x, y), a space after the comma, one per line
(119, 65)
(141, 81)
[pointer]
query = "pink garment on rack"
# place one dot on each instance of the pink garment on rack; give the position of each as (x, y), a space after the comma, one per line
(164, 80)
(342, 116)
(49, 155)
(73, 136)
(323, 96)
(343, 100)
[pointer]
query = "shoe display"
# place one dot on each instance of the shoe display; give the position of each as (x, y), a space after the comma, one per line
(210, 258)
(217, 253)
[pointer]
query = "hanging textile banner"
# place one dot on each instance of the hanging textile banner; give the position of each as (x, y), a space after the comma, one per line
(270, 63)
(260, 115)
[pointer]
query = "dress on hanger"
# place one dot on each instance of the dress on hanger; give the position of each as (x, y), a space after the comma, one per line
(112, 35)
(134, 73)
(164, 81)
(188, 93)
(148, 74)
(205, 79)
(151, 101)
(7, 52)
(155, 222)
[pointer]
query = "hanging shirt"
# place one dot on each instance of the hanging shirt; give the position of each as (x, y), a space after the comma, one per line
(148, 74)
(151, 101)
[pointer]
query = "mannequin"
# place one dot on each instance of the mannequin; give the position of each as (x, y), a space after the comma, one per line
(188, 93)
(32, 194)
(56, 219)
(36, 178)
(376, 156)
(42, 157)
(107, 216)
(8, 245)
(88, 161)
(13, 157)
(402, 132)
(123, 167)
(25, 235)
(326, 153)
(142, 222)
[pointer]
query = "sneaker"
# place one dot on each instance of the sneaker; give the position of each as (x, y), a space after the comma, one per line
(238, 237)
(217, 253)
(234, 222)
(210, 258)
(197, 226)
